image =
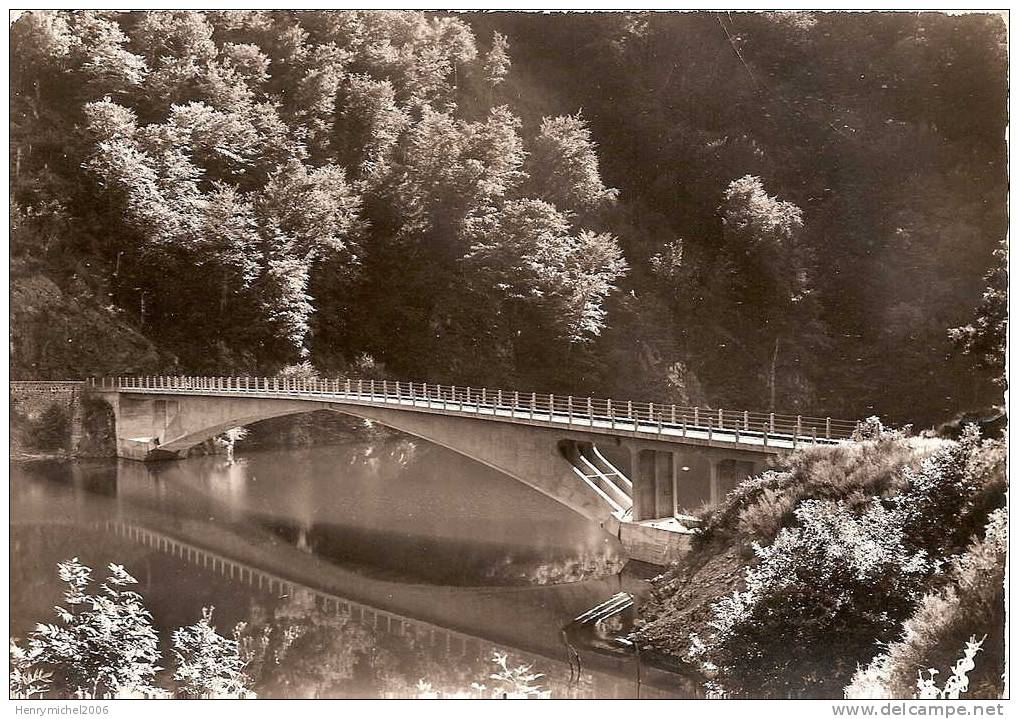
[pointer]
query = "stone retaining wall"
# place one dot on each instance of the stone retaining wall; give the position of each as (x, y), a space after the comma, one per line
(32, 399)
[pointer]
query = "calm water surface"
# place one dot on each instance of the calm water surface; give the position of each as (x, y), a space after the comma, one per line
(359, 570)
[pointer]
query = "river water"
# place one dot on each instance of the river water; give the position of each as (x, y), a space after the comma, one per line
(367, 569)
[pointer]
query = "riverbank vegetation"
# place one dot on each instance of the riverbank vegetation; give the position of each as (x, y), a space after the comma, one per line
(753, 210)
(103, 645)
(847, 570)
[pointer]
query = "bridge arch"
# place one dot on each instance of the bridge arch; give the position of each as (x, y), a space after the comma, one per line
(153, 427)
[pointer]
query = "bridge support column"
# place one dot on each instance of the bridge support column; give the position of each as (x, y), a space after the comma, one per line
(654, 482)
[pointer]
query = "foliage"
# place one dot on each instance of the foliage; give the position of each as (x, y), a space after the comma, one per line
(300, 371)
(757, 508)
(957, 683)
(516, 682)
(208, 665)
(986, 337)
(847, 570)
(564, 166)
(104, 643)
(26, 678)
(834, 580)
(321, 185)
(106, 646)
(497, 61)
(52, 428)
(872, 430)
(971, 604)
(298, 651)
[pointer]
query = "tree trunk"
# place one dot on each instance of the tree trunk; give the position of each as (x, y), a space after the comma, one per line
(774, 362)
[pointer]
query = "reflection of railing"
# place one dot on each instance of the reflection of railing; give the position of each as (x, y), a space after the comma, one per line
(441, 638)
(271, 583)
(640, 418)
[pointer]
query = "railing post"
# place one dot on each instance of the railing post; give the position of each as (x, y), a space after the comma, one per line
(827, 428)
(371, 389)
(468, 395)
(551, 407)
(590, 412)
(673, 415)
(569, 409)
(720, 420)
(684, 423)
(360, 387)
(696, 416)
(629, 413)
(385, 391)
(813, 432)
(746, 421)
(771, 422)
(516, 402)
(799, 427)
(709, 428)
(534, 401)
(398, 391)
(612, 414)
(498, 398)
(765, 428)
(347, 386)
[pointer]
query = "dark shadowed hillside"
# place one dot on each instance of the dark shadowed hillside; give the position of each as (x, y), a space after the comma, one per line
(747, 210)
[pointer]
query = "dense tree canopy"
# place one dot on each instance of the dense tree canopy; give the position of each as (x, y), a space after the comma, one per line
(806, 203)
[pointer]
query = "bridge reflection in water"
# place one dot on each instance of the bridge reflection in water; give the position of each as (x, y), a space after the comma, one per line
(620, 683)
(203, 532)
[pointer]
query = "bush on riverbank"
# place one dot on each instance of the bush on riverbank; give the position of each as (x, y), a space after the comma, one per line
(836, 550)
(970, 606)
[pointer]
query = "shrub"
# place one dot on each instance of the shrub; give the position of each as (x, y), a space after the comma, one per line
(515, 682)
(973, 604)
(105, 643)
(208, 664)
(53, 428)
(758, 507)
(821, 596)
(852, 570)
(872, 430)
(300, 371)
(105, 646)
(947, 499)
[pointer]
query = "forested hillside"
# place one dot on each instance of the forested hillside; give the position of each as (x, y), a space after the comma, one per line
(797, 211)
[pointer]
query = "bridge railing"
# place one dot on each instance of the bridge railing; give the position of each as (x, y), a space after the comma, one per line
(641, 417)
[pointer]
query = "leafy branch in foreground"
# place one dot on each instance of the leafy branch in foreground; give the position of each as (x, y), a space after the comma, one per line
(104, 643)
(105, 646)
(208, 664)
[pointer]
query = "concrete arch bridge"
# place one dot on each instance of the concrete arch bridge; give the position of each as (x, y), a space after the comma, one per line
(632, 467)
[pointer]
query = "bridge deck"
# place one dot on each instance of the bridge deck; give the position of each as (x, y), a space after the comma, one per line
(670, 423)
